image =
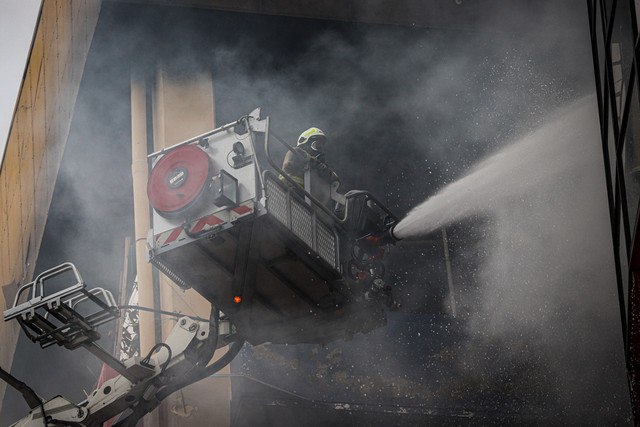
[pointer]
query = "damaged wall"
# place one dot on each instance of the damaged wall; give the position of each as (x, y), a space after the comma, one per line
(37, 138)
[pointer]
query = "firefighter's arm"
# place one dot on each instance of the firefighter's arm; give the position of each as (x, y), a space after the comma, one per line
(288, 163)
(295, 162)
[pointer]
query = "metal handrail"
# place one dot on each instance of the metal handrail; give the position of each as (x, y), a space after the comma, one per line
(349, 195)
(198, 137)
(290, 180)
(45, 275)
(107, 295)
(370, 197)
(36, 288)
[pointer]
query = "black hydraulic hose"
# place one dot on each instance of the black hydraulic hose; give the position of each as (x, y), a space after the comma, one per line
(27, 392)
(147, 360)
(234, 349)
(214, 323)
(198, 234)
(30, 396)
(147, 406)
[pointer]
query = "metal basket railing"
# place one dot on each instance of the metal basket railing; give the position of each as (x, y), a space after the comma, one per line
(289, 208)
(56, 318)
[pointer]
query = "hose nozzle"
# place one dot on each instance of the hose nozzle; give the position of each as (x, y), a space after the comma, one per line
(380, 238)
(393, 238)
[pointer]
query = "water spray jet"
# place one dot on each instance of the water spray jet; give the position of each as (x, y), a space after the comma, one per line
(540, 158)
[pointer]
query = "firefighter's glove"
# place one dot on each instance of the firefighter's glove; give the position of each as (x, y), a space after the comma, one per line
(322, 168)
(313, 162)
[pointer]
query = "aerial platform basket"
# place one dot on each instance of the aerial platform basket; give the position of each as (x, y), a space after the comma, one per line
(269, 254)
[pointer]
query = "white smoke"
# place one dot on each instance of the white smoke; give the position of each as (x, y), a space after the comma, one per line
(547, 292)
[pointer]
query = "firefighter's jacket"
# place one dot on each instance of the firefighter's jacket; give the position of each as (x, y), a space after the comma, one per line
(295, 165)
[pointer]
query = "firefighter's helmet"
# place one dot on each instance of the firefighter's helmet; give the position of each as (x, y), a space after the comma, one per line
(313, 138)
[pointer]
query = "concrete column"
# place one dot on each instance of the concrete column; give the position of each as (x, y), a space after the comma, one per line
(183, 106)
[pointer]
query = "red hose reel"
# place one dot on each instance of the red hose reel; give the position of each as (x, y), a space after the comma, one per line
(179, 180)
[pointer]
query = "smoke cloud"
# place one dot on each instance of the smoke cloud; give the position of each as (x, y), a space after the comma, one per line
(407, 112)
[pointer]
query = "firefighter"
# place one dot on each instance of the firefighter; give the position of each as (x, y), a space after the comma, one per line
(309, 152)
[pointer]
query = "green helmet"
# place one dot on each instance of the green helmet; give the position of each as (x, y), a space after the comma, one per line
(314, 137)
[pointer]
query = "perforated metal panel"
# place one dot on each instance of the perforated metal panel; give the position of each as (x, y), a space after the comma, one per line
(326, 243)
(302, 222)
(277, 202)
(300, 218)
